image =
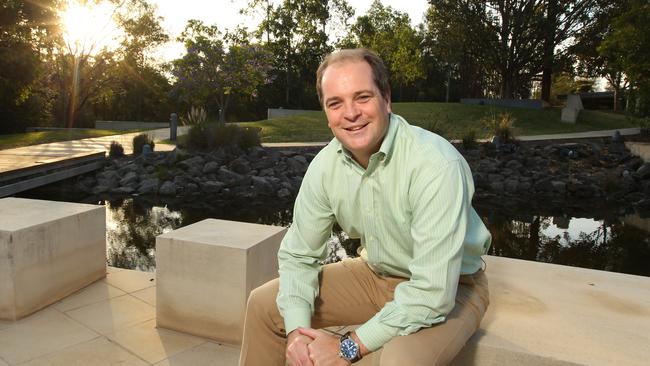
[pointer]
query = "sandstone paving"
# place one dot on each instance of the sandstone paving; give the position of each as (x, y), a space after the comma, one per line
(111, 315)
(207, 354)
(98, 352)
(2, 363)
(92, 294)
(154, 344)
(131, 281)
(39, 334)
(147, 295)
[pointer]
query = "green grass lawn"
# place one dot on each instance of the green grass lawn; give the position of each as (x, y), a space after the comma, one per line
(452, 119)
(43, 137)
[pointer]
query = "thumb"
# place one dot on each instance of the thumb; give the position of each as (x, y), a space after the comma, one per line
(309, 332)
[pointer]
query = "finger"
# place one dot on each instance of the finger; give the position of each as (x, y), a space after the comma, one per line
(311, 333)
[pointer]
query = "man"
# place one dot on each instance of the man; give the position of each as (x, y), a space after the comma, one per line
(418, 290)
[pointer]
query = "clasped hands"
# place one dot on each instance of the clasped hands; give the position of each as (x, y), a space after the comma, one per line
(311, 347)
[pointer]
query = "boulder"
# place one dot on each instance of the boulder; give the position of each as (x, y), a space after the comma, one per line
(168, 189)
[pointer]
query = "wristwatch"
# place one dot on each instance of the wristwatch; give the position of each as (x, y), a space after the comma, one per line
(349, 349)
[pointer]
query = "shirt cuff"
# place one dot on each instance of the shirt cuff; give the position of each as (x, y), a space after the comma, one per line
(296, 318)
(374, 334)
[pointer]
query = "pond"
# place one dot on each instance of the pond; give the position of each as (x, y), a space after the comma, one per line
(618, 242)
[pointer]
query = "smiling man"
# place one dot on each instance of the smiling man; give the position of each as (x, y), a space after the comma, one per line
(418, 289)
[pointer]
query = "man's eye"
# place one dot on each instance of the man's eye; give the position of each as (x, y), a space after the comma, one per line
(334, 105)
(363, 98)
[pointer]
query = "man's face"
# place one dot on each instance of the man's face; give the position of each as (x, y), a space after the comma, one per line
(356, 111)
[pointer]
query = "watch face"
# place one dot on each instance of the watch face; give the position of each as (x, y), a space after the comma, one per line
(349, 349)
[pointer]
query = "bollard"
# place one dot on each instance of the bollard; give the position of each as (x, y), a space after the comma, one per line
(173, 126)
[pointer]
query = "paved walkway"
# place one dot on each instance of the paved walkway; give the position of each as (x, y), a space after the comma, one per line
(22, 157)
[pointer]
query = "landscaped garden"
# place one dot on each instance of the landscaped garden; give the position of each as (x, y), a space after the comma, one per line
(452, 120)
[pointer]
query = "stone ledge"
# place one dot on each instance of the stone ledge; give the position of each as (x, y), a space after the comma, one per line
(547, 314)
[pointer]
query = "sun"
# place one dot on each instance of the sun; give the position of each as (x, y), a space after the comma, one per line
(89, 27)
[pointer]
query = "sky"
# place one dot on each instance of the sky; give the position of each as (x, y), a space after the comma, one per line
(225, 13)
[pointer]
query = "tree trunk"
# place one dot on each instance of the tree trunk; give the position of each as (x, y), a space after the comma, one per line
(549, 49)
(448, 84)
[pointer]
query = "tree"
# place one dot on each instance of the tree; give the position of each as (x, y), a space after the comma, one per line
(297, 37)
(627, 46)
(26, 32)
(589, 61)
(389, 33)
(139, 90)
(564, 18)
(517, 39)
(218, 66)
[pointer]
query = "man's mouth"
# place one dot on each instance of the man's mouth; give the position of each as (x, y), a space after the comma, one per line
(355, 128)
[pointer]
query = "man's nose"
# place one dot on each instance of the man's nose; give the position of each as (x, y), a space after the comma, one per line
(351, 111)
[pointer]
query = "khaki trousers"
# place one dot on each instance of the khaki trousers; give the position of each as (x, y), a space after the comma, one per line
(351, 293)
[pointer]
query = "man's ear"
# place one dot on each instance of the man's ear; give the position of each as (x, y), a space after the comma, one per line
(389, 104)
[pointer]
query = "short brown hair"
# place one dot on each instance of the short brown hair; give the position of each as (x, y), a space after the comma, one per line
(379, 71)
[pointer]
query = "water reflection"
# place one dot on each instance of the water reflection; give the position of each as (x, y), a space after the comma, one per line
(580, 234)
(132, 225)
(608, 244)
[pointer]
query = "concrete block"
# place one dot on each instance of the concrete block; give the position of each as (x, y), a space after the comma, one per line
(48, 250)
(205, 272)
(569, 115)
(574, 101)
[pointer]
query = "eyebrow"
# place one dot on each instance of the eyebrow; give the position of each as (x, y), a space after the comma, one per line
(356, 94)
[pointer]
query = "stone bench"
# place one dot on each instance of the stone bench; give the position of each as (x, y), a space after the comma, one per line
(547, 314)
(205, 272)
(48, 250)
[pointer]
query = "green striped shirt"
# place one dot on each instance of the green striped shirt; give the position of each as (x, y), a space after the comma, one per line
(412, 210)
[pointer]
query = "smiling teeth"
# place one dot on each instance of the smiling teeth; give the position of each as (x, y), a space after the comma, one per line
(355, 128)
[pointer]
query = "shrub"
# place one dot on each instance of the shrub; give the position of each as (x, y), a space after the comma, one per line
(469, 139)
(116, 150)
(212, 136)
(195, 116)
(501, 126)
(645, 126)
(139, 141)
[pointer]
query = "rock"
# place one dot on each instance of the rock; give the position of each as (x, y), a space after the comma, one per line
(194, 162)
(644, 171)
(558, 186)
(497, 186)
(513, 164)
(240, 165)
(110, 184)
(212, 186)
(511, 185)
(108, 175)
(256, 152)
(211, 167)
(262, 185)
(149, 186)
(122, 190)
(301, 159)
(284, 193)
(191, 188)
(168, 189)
(228, 176)
(129, 179)
(100, 189)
